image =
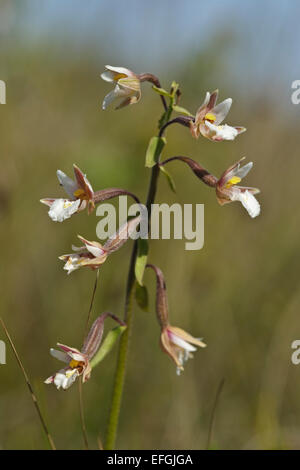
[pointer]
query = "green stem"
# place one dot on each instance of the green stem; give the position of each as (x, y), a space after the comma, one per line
(113, 420)
(128, 318)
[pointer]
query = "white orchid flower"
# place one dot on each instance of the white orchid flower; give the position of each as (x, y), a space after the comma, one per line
(228, 191)
(209, 117)
(127, 86)
(80, 192)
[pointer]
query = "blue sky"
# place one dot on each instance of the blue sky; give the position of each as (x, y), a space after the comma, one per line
(145, 33)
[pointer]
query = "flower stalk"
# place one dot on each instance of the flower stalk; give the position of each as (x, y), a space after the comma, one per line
(120, 373)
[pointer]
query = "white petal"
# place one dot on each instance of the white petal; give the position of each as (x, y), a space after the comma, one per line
(118, 92)
(79, 249)
(206, 100)
(250, 203)
(67, 183)
(71, 376)
(62, 209)
(221, 110)
(122, 70)
(94, 250)
(181, 342)
(223, 132)
(60, 379)
(65, 378)
(238, 171)
(109, 98)
(107, 76)
(61, 356)
(241, 172)
(73, 263)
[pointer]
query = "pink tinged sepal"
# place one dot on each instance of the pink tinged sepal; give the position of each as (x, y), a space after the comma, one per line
(95, 248)
(208, 103)
(73, 353)
(83, 183)
(94, 337)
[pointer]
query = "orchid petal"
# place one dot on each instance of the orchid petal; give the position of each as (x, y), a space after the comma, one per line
(62, 209)
(69, 185)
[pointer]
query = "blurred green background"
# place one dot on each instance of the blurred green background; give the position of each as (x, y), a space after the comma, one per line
(240, 292)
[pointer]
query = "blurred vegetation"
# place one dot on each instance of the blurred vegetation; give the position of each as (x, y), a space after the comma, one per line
(240, 292)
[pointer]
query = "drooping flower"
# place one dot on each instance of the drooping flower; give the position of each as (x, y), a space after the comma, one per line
(209, 117)
(127, 86)
(228, 191)
(78, 362)
(177, 343)
(93, 254)
(80, 192)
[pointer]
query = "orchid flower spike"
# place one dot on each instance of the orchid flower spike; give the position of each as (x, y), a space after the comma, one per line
(78, 362)
(127, 86)
(80, 192)
(93, 254)
(228, 191)
(177, 343)
(209, 117)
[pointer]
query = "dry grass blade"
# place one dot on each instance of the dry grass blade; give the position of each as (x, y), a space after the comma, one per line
(33, 396)
(213, 413)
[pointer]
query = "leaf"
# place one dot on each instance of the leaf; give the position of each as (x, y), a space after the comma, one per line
(181, 110)
(154, 150)
(162, 91)
(141, 260)
(141, 297)
(169, 178)
(107, 345)
(174, 88)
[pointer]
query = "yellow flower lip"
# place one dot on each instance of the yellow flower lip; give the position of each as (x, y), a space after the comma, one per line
(76, 365)
(67, 204)
(234, 180)
(80, 194)
(119, 75)
(210, 117)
